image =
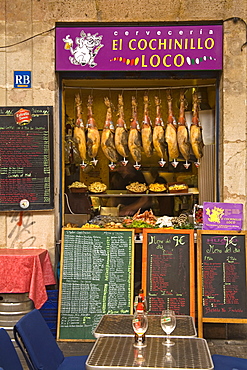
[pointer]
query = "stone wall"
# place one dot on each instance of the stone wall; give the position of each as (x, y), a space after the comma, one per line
(25, 45)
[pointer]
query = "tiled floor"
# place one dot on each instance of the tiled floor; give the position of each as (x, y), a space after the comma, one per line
(237, 348)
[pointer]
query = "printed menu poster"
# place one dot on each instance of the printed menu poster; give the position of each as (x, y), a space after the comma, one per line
(222, 216)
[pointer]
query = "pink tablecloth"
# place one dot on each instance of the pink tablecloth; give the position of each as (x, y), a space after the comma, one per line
(26, 270)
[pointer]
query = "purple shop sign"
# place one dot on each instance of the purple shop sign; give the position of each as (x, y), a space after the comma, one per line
(164, 48)
(222, 216)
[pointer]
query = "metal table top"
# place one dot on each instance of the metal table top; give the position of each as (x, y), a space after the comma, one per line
(121, 325)
(119, 353)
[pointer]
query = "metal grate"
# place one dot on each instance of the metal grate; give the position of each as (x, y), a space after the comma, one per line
(119, 353)
(114, 325)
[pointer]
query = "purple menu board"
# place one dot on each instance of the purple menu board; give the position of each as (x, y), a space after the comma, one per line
(223, 261)
(26, 166)
(168, 270)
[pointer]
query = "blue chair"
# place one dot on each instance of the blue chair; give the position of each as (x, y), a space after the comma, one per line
(229, 363)
(40, 348)
(9, 359)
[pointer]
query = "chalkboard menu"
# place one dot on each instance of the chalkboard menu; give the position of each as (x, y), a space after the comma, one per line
(96, 279)
(26, 152)
(168, 270)
(222, 276)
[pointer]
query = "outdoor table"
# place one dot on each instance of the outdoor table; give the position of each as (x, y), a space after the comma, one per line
(119, 325)
(118, 353)
(26, 271)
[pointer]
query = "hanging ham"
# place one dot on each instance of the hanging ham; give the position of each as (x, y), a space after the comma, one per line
(107, 138)
(159, 142)
(183, 132)
(79, 131)
(171, 133)
(121, 133)
(146, 131)
(93, 136)
(134, 139)
(196, 138)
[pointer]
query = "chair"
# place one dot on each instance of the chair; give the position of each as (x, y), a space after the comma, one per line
(229, 363)
(9, 359)
(40, 348)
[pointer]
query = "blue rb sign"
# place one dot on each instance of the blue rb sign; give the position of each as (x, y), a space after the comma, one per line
(22, 79)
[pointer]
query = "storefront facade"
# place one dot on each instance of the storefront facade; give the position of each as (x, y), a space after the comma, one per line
(53, 83)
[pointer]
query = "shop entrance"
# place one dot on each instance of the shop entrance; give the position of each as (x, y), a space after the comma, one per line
(114, 98)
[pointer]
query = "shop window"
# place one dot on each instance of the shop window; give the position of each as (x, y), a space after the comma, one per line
(81, 95)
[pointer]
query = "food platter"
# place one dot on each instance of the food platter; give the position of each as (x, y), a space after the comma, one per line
(157, 188)
(78, 187)
(137, 188)
(97, 187)
(177, 187)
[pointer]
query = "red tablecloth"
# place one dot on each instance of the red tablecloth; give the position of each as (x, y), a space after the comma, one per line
(26, 270)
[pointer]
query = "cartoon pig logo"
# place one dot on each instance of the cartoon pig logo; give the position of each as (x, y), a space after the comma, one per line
(87, 48)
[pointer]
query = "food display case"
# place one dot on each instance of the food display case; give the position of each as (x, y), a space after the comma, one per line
(111, 126)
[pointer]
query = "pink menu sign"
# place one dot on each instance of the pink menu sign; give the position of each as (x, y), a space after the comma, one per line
(139, 48)
(222, 216)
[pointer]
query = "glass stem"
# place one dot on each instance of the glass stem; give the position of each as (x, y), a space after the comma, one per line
(139, 340)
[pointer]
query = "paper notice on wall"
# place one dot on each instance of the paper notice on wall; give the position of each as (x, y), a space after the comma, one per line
(222, 216)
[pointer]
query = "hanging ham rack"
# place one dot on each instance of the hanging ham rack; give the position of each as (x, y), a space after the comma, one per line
(139, 88)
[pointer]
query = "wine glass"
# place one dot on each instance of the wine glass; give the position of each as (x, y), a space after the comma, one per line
(139, 359)
(169, 360)
(168, 324)
(140, 325)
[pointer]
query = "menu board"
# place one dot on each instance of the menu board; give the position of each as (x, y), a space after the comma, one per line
(26, 152)
(222, 276)
(96, 279)
(168, 270)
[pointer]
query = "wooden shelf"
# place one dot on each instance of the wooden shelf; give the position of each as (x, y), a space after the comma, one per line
(128, 195)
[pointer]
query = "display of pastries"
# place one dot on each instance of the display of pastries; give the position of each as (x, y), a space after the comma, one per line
(97, 187)
(137, 187)
(177, 188)
(157, 188)
(77, 184)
